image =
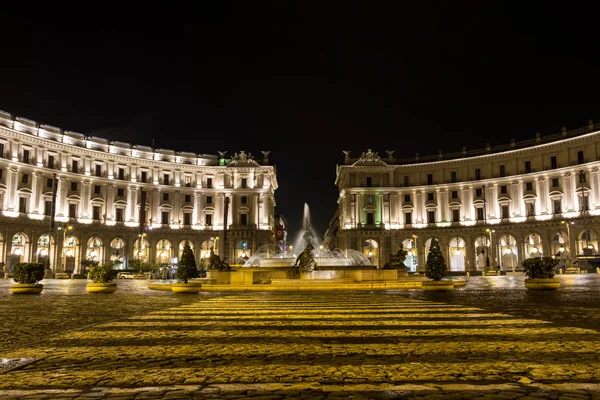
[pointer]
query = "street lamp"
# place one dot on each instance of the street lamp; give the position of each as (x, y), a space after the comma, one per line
(566, 223)
(139, 250)
(63, 258)
(490, 248)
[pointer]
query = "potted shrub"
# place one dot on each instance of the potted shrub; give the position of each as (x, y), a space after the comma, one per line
(26, 277)
(540, 273)
(101, 277)
(186, 270)
(436, 269)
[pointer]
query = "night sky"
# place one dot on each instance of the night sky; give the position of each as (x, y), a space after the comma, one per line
(304, 79)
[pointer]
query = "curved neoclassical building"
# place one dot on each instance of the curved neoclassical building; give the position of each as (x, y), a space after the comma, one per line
(101, 189)
(491, 208)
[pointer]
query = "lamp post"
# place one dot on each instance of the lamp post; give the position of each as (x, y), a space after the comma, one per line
(490, 248)
(63, 257)
(139, 251)
(566, 223)
(416, 251)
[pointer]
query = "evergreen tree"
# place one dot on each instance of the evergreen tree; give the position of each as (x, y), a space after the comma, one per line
(435, 267)
(187, 265)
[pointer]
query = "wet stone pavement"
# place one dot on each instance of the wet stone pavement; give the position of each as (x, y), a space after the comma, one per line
(491, 339)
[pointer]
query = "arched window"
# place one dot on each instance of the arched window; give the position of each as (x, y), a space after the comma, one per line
(457, 254)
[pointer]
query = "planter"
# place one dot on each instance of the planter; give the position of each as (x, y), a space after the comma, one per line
(542, 283)
(26, 288)
(437, 286)
(92, 287)
(190, 287)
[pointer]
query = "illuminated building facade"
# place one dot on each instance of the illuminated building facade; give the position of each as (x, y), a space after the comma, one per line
(101, 187)
(490, 208)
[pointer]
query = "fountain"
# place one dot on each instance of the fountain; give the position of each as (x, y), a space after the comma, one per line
(323, 257)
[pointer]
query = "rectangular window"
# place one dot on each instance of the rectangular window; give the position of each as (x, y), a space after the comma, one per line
(480, 214)
(527, 167)
(50, 161)
(478, 192)
(244, 219)
(530, 209)
(74, 166)
(430, 217)
(370, 199)
(73, 186)
(209, 183)
(122, 174)
(165, 179)
(49, 182)
(25, 178)
(430, 179)
(164, 218)
(96, 213)
(98, 170)
(208, 199)
(369, 181)
(528, 185)
(430, 196)
(26, 156)
(503, 189)
(370, 219)
(1, 150)
(477, 173)
(455, 215)
(97, 189)
(504, 211)
(1, 173)
(455, 194)
(406, 181)
(407, 198)
(580, 158)
(502, 170)
(557, 206)
(48, 207)
(72, 210)
(144, 177)
(553, 163)
(165, 196)
(244, 200)
(244, 182)
(582, 177)
(408, 218)
(187, 198)
(119, 215)
(120, 192)
(22, 204)
(209, 219)
(188, 181)
(555, 182)
(187, 218)
(453, 176)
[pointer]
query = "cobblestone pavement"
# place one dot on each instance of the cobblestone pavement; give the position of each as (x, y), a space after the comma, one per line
(491, 339)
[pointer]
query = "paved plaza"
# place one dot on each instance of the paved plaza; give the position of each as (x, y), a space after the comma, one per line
(491, 339)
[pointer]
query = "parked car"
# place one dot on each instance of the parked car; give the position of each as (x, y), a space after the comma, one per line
(125, 275)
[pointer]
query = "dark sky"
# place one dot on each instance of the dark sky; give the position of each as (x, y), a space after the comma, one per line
(304, 79)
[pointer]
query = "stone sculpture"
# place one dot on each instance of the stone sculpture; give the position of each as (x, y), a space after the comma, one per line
(305, 260)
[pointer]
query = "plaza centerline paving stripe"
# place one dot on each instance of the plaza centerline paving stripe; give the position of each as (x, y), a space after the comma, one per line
(347, 344)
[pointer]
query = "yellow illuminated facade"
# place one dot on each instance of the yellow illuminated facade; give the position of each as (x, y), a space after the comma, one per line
(490, 208)
(99, 195)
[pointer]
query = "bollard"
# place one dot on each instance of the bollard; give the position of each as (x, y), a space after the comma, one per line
(560, 271)
(597, 270)
(6, 275)
(482, 273)
(468, 273)
(72, 276)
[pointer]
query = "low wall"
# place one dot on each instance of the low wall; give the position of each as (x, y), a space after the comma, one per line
(249, 276)
(356, 275)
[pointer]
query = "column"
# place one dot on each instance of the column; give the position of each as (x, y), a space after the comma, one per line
(516, 200)
(493, 202)
(219, 210)
(197, 211)
(546, 195)
(573, 189)
(36, 199)
(520, 198)
(86, 195)
(419, 207)
(155, 206)
(132, 201)
(61, 197)
(540, 206)
(442, 204)
(11, 190)
(594, 187)
(110, 199)
(177, 207)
